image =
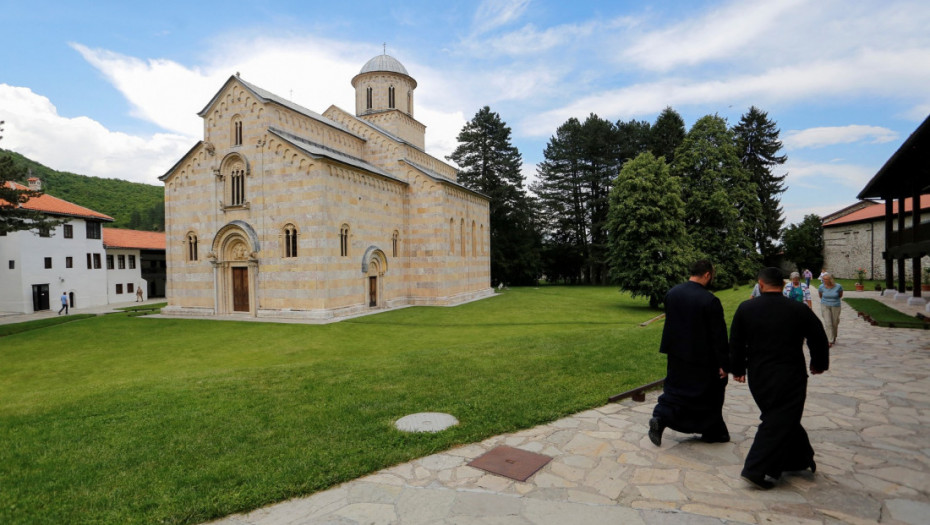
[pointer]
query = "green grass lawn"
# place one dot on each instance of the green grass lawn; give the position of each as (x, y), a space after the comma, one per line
(885, 315)
(122, 419)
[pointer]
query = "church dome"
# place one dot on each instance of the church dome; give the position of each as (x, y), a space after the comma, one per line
(384, 63)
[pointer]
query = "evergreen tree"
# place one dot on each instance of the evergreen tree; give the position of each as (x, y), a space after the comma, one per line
(758, 145)
(804, 243)
(721, 205)
(490, 164)
(633, 138)
(574, 189)
(649, 249)
(667, 134)
(561, 190)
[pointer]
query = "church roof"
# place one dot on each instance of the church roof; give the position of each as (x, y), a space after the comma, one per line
(121, 238)
(45, 203)
(384, 63)
(318, 150)
(439, 178)
(267, 96)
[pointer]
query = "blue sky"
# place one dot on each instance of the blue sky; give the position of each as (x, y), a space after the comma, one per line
(112, 89)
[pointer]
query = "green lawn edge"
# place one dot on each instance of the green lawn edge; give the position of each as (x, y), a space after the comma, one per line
(883, 315)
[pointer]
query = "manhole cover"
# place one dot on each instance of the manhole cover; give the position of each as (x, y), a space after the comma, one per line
(510, 462)
(426, 422)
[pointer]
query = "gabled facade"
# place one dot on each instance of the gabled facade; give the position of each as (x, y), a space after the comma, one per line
(36, 268)
(283, 212)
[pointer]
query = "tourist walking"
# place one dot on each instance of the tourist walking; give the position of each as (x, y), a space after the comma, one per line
(766, 345)
(64, 303)
(798, 291)
(831, 295)
(695, 340)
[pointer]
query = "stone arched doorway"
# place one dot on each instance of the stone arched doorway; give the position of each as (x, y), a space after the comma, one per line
(374, 266)
(235, 269)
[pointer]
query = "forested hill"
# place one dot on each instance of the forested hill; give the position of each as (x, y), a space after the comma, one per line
(131, 204)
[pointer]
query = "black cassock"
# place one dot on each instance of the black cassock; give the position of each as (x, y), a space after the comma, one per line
(695, 340)
(767, 341)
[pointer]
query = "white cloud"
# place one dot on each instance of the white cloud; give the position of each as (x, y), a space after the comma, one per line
(82, 145)
(828, 136)
(900, 73)
(716, 35)
(824, 176)
(492, 14)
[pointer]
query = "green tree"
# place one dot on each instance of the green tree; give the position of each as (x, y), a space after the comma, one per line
(667, 134)
(633, 138)
(574, 189)
(490, 164)
(758, 146)
(804, 243)
(720, 201)
(14, 217)
(649, 248)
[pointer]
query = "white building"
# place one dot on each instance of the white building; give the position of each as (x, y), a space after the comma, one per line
(36, 268)
(135, 259)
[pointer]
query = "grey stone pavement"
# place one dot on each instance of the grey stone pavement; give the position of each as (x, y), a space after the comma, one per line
(10, 318)
(868, 418)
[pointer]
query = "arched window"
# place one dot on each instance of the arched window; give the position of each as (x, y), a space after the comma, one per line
(290, 240)
(483, 246)
(391, 97)
(451, 236)
(344, 240)
(474, 240)
(410, 103)
(394, 239)
(462, 238)
(368, 98)
(237, 187)
(191, 246)
(237, 131)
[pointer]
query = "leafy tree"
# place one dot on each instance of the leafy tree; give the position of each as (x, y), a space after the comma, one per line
(720, 201)
(649, 247)
(758, 145)
(490, 164)
(633, 138)
(804, 243)
(12, 216)
(667, 134)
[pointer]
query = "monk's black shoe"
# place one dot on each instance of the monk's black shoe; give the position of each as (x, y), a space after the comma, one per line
(656, 427)
(758, 480)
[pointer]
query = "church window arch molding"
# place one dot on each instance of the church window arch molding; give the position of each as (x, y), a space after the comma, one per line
(344, 240)
(190, 245)
(234, 171)
(391, 99)
(289, 233)
(236, 130)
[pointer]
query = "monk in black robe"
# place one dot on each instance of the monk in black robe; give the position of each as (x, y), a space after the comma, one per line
(695, 340)
(766, 340)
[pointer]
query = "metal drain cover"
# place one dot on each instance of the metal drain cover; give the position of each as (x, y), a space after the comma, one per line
(510, 462)
(426, 422)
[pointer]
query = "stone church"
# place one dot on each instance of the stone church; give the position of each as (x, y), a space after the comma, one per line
(283, 212)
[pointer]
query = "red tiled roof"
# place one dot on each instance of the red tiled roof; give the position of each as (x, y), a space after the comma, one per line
(119, 238)
(877, 211)
(55, 206)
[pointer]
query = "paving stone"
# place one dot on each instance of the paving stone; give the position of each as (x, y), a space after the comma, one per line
(908, 511)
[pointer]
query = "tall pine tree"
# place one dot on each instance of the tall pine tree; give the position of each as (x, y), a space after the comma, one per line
(758, 146)
(667, 134)
(490, 164)
(721, 206)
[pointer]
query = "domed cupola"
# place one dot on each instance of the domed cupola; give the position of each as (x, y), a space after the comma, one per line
(383, 84)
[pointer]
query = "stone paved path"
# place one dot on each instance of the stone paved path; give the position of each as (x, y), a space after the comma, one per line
(868, 419)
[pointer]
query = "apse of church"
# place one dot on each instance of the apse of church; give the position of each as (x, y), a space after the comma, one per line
(283, 212)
